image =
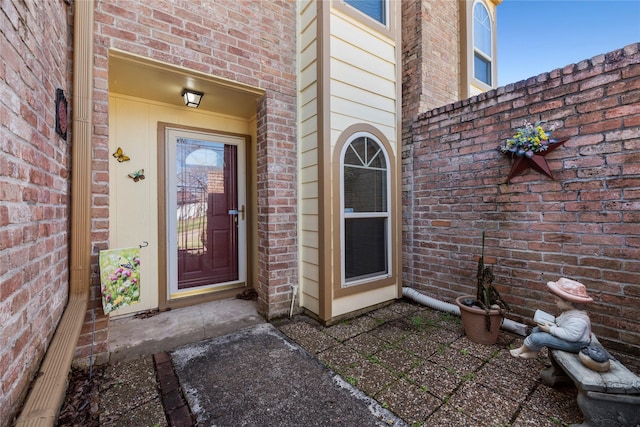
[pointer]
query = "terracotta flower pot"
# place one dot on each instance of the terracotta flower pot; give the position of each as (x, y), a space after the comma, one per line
(473, 320)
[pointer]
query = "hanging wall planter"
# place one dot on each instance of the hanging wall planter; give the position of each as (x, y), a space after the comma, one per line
(528, 147)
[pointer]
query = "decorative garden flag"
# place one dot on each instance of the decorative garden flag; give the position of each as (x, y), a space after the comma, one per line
(119, 277)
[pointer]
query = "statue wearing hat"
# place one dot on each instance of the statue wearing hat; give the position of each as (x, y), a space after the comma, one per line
(571, 330)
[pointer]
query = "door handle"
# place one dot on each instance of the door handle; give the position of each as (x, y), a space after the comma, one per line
(237, 211)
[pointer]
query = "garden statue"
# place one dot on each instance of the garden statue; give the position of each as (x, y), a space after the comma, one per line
(570, 331)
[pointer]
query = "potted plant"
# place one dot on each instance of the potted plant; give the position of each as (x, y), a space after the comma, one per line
(482, 316)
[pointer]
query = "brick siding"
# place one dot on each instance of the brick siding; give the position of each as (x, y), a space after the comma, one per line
(34, 191)
(245, 41)
(430, 78)
(584, 225)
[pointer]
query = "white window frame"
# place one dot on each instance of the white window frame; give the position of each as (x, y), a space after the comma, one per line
(347, 215)
(487, 56)
(385, 12)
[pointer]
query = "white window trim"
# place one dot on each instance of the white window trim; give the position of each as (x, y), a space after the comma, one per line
(389, 29)
(386, 13)
(344, 215)
(491, 59)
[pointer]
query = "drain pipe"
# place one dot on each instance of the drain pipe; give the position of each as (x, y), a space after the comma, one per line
(412, 294)
(43, 402)
(294, 292)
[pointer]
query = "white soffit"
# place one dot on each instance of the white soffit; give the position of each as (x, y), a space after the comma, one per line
(140, 77)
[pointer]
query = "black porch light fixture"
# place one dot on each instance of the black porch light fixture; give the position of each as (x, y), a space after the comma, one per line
(192, 98)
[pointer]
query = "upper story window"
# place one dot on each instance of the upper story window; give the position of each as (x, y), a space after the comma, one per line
(376, 9)
(482, 45)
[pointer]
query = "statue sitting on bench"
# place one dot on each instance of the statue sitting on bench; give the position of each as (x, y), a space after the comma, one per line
(572, 328)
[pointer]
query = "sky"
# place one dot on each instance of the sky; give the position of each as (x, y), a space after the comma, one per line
(538, 36)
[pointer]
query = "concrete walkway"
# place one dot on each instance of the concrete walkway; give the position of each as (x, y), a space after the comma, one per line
(145, 335)
(414, 362)
(256, 377)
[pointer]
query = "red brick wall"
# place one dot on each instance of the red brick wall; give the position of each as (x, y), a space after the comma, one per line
(584, 225)
(35, 42)
(247, 41)
(430, 33)
(430, 54)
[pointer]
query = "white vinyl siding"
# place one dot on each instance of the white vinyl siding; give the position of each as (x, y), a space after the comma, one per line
(363, 78)
(308, 156)
(364, 88)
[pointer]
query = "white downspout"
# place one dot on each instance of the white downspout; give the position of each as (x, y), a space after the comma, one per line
(412, 294)
(43, 402)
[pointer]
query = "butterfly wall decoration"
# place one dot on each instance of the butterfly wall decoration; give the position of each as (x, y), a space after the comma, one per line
(137, 175)
(120, 156)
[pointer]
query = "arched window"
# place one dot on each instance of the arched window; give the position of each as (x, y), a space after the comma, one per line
(365, 223)
(482, 43)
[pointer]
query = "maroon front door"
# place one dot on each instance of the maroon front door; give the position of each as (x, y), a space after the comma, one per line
(207, 212)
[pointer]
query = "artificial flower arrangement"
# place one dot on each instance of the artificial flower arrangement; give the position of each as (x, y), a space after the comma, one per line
(527, 141)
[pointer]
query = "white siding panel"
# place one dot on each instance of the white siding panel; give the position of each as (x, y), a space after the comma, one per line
(367, 97)
(309, 76)
(309, 142)
(359, 78)
(307, 11)
(310, 222)
(309, 130)
(358, 57)
(309, 174)
(311, 303)
(308, 110)
(310, 255)
(309, 53)
(310, 189)
(362, 300)
(309, 158)
(311, 291)
(311, 239)
(339, 122)
(310, 207)
(313, 272)
(308, 154)
(367, 113)
(309, 94)
(354, 33)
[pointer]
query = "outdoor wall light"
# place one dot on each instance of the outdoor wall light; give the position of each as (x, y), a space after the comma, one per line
(192, 98)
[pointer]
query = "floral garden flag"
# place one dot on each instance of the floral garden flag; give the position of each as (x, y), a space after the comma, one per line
(120, 278)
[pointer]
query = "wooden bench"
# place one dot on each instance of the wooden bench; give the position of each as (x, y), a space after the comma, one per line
(610, 399)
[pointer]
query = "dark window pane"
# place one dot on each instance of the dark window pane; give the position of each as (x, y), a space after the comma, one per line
(365, 190)
(373, 8)
(365, 247)
(355, 154)
(482, 69)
